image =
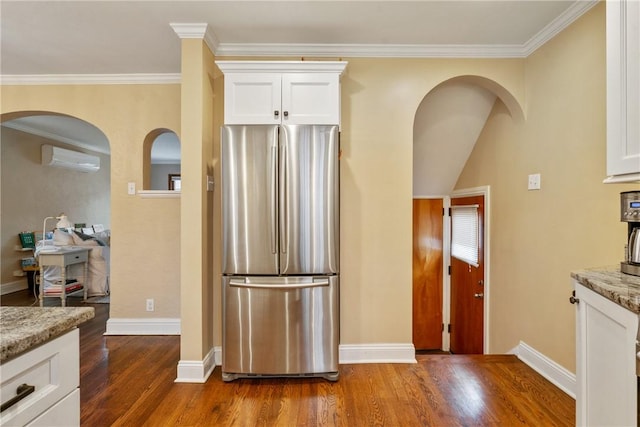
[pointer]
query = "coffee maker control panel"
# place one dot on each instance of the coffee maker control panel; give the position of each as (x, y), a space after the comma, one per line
(630, 206)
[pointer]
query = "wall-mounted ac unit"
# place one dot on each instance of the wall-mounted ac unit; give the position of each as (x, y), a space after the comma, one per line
(63, 158)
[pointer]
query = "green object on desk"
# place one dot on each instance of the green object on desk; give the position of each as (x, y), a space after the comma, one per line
(28, 240)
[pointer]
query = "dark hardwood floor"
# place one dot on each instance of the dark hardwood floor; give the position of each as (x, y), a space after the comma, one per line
(129, 381)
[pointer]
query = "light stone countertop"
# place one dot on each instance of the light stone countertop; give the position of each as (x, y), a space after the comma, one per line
(22, 328)
(611, 283)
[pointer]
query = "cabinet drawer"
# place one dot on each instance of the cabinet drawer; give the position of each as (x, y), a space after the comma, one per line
(65, 413)
(52, 368)
(75, 257)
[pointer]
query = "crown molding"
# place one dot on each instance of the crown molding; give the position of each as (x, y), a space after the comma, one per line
(90, 79)
(576, 10)
(54, 137)
(197, 31)
(370, 50)
(282, 66)
(190, 30)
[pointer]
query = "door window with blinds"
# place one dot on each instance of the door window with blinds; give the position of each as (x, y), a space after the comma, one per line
(465, 237)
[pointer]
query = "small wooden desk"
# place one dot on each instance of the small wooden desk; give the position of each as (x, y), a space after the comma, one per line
(62, 258)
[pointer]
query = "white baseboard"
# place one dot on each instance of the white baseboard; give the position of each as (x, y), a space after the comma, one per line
(197, 371)
(377, 353)
(18, 285)
(162, 326)
(558, 375)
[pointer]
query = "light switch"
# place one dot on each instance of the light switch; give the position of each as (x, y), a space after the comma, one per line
(534, 182)
(131, 188)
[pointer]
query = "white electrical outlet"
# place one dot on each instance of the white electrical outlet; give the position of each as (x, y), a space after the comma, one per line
(534, 182)
(131, 188)
(150, 305)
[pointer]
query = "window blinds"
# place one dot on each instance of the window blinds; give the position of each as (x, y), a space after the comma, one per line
(464, 233)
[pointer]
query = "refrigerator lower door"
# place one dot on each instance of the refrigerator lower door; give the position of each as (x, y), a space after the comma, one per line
(280, 327)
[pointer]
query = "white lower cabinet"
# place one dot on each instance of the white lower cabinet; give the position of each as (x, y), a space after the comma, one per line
(605, 361)
(53, 369)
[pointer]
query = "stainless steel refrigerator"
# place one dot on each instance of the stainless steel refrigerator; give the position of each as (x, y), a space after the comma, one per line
(280, 221)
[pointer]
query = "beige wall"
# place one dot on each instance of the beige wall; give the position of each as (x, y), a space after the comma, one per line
(145, 239)
(32, 192)
(539, 237)
(380, 98)
(200, 273)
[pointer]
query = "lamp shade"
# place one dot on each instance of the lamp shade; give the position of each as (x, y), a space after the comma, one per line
(63, 222)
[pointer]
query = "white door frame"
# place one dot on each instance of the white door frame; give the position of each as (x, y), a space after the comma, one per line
(446, 231)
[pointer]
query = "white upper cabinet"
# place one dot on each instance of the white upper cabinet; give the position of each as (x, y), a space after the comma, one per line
(623, 91)
(287, 92)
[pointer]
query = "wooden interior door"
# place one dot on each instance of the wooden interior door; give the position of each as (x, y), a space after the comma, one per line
(467, 293)
(427, 274)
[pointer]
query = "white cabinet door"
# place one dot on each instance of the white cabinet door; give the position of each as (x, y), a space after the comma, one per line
(311, 98)
(623, 90)
(252, 98)
(605, 361)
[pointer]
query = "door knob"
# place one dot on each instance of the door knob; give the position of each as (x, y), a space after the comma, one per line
(286, 113)
(276, 113)
(480, 295)
(481, 282)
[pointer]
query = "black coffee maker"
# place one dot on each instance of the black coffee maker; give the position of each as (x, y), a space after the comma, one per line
(630, 213)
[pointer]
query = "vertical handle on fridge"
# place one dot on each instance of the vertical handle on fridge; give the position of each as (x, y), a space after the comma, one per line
(274, 197)
(284, 199)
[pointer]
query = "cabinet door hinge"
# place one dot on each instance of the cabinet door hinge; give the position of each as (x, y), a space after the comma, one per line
(449, 270)
(449, 328)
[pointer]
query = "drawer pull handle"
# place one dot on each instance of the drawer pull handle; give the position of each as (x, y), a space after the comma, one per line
(23, 391)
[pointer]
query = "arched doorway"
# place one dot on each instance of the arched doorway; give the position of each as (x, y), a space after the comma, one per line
(447, 125)
(32, 191)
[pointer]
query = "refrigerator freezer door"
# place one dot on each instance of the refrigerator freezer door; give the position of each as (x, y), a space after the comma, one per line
(280, 326)
(309, 199)
(249, 165)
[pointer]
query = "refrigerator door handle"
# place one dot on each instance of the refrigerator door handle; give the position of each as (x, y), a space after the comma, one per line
(284, 200)
(316, 283)
(274, 197)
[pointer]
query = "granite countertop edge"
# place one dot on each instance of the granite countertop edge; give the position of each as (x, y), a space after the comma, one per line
(623, 289)
(22, 328)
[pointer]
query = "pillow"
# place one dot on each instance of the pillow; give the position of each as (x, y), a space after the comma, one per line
(80, 239)
(62, 238)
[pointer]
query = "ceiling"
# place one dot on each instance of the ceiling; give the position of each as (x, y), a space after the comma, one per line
(125, 37)
(102, 41)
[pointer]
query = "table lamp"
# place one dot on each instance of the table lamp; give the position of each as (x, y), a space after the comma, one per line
(63, 222)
